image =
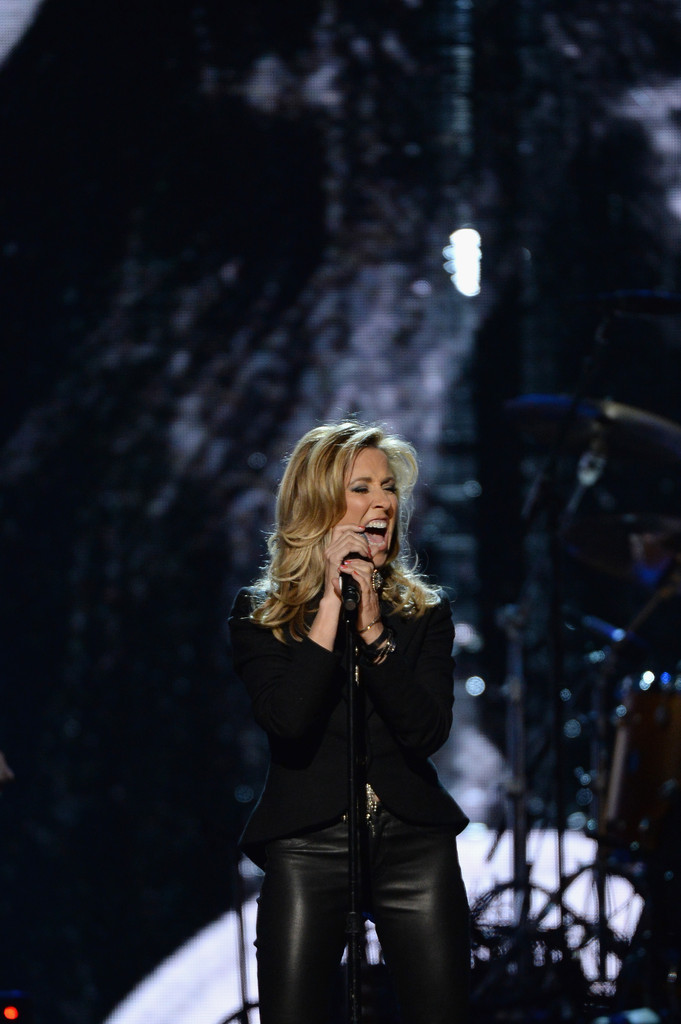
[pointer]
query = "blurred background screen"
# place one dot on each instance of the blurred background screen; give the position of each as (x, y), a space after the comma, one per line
(221, 224)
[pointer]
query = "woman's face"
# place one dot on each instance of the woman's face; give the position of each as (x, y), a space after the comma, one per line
(371, 501)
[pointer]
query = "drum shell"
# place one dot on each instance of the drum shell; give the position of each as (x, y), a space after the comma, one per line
(645, 775)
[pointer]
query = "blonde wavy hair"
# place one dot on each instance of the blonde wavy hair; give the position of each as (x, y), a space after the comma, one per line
(310, 501)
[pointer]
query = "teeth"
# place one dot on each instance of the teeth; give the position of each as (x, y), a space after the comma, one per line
(377, 524)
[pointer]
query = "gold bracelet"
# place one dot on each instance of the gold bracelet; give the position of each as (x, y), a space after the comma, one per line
(377, 619)
(378, 651)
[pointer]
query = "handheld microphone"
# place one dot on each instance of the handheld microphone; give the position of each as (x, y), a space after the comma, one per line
(350, 593)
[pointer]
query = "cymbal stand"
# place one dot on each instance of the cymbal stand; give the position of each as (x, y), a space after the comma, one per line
(590, 469)
(512, 619)
(599, 779)
(242, 1014)
(542, 496)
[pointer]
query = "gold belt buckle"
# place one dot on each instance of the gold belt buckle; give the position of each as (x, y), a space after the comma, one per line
(372, 806)
(373, 800)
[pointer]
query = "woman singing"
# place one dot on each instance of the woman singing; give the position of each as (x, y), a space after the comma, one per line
(342, 509)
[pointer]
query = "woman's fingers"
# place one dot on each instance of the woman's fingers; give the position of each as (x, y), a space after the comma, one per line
(359, 567)
(369, 607)
(348, 539)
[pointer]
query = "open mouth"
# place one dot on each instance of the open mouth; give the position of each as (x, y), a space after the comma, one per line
(376, 533)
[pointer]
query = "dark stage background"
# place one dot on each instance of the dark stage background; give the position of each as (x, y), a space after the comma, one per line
(220, 224)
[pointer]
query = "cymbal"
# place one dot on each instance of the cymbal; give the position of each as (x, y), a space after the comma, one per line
(621, 429)
(640, 549)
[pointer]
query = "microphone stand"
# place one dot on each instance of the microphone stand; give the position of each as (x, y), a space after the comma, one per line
(354, 922)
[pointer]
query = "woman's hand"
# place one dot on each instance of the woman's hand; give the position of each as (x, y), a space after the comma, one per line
(344, 540)
(347, 539)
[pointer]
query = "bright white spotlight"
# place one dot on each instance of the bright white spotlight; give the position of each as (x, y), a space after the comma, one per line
(463, 256)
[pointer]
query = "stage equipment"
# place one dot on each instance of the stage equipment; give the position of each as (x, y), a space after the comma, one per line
(635, 769)
(624, 431)
(645, 774)
(635, 548)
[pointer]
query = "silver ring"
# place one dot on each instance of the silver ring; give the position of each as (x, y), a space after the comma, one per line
(376, 581)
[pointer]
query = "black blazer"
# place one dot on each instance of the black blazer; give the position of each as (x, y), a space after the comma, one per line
(297, 691)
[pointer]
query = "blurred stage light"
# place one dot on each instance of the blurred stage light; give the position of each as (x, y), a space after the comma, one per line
(463, 257)
(475, 686)
(467, 638)
(15, 1006)
(15, 18)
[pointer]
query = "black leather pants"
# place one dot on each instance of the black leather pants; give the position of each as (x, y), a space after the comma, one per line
(415, 895)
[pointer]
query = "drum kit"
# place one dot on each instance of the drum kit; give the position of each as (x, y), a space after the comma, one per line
(641, 549)
(635, 712)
